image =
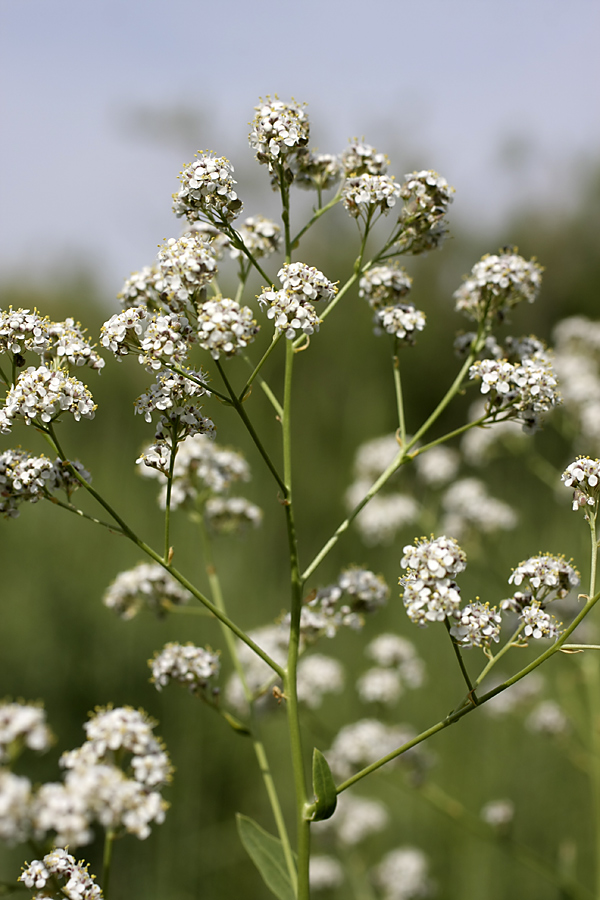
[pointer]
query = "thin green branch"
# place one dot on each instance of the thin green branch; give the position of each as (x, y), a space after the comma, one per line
(276, 338)
(316, 216)
(461, 663)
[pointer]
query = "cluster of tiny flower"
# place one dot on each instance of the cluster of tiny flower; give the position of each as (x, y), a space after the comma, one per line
(363, 159)
(167, 339)
(480, 444)
(325, 873)
(545, 575)
(260, 235)
(121, 334)
(187, 265)
(15, 807)
(201, 465)
(547, 718)
(401, 321)
(22, 725)
(430, 592)
(364, 195)
(366, 741)
(194, 667)
(577, 364)
(323, 616)
(22, 331)
(355, 819)
(279, 131)
(468, 507)
(28, 478)
(403, 874)
(291, 308)
(146, 585)
(69, 344)
(142, 288)
(524, 390)
(319, 675)
(496, 284)
(383, 286)
(225, 327)
(316, 171)
(498, 814)
(477, 625)
(423, 227)
(41, 875)
(583, 476)
(398, 667)
(207, 190)
(176, 397)
(231, 515)
(42, 394)
(274, 640)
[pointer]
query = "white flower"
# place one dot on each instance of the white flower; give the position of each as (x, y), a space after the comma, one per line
(146, 584)
(498, 813)
(44, 394)
(307, 282)
(364, 194)
(539, 624)
(207, 189)
(435, 559)
(121, 333)
(477, 625)
(497, 283)
(360, 159)
(379, 686)
(547, 718)
(403, 875)
(546, 574)
(467, 504)
(438, 465)
(320, 171)
(319, 675)
(427, 196)
(79, 885)
(24, 723)
(278, 130)
(584, 476)
(191, 666)
(401, 321)
(231, 515)
(22, 331)
(355, 819)
(364, 742)
(290, 312)
(167, 339)
(15, 808)
(384, 285)
(325, 873)
(225, 327)
(260, 235)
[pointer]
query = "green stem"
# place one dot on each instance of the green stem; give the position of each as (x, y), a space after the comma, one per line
(461, 662)
(499, 654)
(316, 216)
(173, 454)
(259, 749)
(290, 679)
(399, 398)
(127, 531)
(106, 860)
(590, 666)
(79, 512)
(249, 426)
(468, 707)
(256, 370)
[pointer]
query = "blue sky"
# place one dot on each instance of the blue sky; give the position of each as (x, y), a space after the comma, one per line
(502, 98)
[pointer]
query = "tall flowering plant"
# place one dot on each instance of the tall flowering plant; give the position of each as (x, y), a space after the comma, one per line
(175, 321)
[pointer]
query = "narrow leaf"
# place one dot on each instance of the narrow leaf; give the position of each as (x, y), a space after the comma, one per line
(324, 788)
(267, 854)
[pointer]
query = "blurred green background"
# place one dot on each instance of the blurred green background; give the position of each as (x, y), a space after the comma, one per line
(59, 643)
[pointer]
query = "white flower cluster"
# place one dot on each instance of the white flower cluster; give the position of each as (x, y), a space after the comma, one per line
(363, 743)
(321, 615)
(69, 344)
(497, 283)
(545, 575)
(97, 789)
(538, 623)
(526, 390)
(363, 195)
(261, 236)
(320, 171)
(325, 872)
(279, 131)
(28, 478)
(176, 397)
(194, 667)
(369, 592)
(467, 506)
(22, 331)
(319, 675)
(403, 874)
(200, 465)
(401, 321)
(15, 808)
(383, 516)
(171, 392)
(231, 515)
(44, 394)
(498, 813)
(167, 339)
(291, 308)
(225, 327)
(477, 625)
(430, 593)
(438, 466)
(577, 364)
(142, 288)
(398, 667)
(207, 190)
(583, 476)
(22, 725)
(423, 227)
(148, 584)
(78, 883)
(121, 333)
(355, 819)
(187, 265)
(219, 242)
(384, 286)
(363, 159)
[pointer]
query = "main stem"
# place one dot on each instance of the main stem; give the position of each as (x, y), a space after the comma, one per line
(259, 748)
(290, 679)
(590, 665)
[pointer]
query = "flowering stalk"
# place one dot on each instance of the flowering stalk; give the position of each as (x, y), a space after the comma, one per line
(398, 389)
(109, 837)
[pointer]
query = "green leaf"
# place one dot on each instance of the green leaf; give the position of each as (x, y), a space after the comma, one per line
(267, 854)
(235, 723)
(324, 789)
